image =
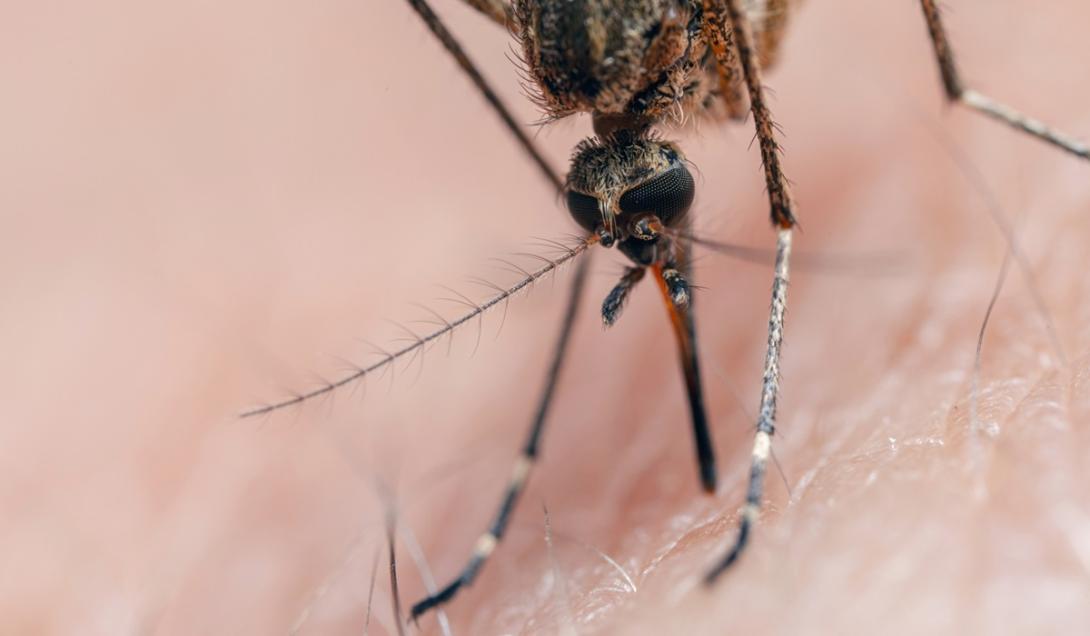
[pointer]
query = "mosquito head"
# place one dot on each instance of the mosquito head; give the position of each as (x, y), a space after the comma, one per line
(624, 185)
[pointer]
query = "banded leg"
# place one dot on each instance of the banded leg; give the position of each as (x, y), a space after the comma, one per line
(727, 67)
(455, 49)
(738, 28)
(675, 293)
(783, 218)
(957, 92)
(769, 18)
(521, 472)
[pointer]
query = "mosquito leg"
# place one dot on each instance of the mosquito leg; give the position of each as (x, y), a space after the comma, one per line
(769, 20)
(521, 472)
(766, 421)
(498, 10)
(783, 218)
(671, 283)
(614, 302)
(455, 49)
(738, 29)
(728, 69)
(957, 92)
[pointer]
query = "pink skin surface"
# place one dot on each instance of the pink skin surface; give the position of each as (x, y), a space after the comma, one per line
(203, 203)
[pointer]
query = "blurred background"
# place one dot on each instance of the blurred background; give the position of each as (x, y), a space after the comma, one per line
(205, 205)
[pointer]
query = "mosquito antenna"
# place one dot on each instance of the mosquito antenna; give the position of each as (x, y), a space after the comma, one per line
(385, 367)
(420, 347)
(351, 367)
(442, 321)
(464, 300)
(484, 282)
(557, 244)
(477, 312)
(327, 401)
(543, 259)
(511, 266)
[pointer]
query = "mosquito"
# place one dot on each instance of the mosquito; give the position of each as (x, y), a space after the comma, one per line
(636, 67)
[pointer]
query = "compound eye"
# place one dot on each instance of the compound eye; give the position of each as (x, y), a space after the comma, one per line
(584, 209)
(668, 196)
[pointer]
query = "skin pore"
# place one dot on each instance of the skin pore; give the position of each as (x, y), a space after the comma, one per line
(203, 210)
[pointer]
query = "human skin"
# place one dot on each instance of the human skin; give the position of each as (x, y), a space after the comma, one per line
(202, 206)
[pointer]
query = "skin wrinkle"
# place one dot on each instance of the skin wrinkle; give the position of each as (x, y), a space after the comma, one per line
(201, 209)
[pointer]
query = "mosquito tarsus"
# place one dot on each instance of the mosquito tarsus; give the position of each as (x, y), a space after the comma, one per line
(633, 66)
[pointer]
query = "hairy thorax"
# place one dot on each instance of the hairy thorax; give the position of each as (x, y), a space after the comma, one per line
(627, 60)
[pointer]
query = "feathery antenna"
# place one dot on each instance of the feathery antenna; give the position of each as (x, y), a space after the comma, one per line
(417, 343)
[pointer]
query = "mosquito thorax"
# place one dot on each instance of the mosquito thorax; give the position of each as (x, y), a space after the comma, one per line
(623, 57)
(624, 185)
